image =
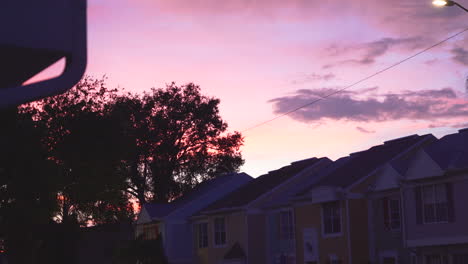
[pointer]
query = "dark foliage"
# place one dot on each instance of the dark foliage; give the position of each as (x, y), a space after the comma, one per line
(141, 251)
(82, 156)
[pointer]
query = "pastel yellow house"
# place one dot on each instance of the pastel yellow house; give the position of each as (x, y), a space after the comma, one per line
(331, 215)
(235, 229)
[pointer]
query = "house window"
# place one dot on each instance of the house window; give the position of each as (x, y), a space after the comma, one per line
(286, 225)
(331, 218)
(391, 209)
(435, 203)
(150, 232)
(460, 259)
(202, 235)
(286, 259)
(334, 259)
(436, 259)
(219, 231)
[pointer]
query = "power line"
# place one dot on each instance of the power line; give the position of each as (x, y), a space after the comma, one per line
(355, 83)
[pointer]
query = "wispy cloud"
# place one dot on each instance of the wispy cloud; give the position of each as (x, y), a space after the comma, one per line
(312, 77)
(365, 131)
(364, 106)
(370, 51)
(460, 55)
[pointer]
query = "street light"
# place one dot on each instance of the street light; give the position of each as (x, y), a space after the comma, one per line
(447, 3)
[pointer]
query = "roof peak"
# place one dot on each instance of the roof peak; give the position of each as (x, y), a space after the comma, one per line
(401, 139)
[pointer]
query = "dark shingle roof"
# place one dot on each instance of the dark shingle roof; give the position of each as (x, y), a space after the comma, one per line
(158, 210)
(323, 173)
(451, 151)
(354, 167)
(261, 185)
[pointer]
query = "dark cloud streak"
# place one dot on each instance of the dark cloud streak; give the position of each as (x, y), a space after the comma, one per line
(373, 50)
(363, 130)
(460, 55)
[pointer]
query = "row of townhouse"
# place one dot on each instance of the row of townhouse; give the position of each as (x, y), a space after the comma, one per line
(404, 201)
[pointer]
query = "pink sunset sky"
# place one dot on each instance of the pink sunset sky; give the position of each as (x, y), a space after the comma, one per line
(266, 57)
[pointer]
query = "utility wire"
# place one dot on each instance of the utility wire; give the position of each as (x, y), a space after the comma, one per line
(355, 83)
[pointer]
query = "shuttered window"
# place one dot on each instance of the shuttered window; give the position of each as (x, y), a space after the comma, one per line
(391, 213)
(219, 231)
(434, 203)
(331, 218)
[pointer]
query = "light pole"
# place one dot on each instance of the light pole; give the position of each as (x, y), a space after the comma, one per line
(448, 3)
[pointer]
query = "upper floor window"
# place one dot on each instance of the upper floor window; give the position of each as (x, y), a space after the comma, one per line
(391, 211)
(286, 225)
(435, 203)
(202, 235)
(150, 232)
(331, 218)
(219, 231)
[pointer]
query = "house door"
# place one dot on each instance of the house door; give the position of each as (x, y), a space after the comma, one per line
(389, 260)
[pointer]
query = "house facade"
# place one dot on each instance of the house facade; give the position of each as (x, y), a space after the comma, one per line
(172, 220)
(401, 202)
(416, 211)
(236, 230)
(332, 215)
(435, 196)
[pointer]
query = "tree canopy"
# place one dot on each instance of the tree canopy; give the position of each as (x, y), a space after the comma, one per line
(177, 139)
(88, 155)
(93, 151)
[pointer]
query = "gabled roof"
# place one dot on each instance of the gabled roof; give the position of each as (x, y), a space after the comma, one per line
(312, 174)
(159, 210)
(323, 173)
(451, 151)
(349, 170)
(261, 185)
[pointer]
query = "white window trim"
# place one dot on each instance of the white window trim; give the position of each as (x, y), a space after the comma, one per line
(214, 233)
(422, 204)
(389, 210)
(325, 235)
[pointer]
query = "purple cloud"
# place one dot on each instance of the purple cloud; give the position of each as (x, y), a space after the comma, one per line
(372, 50)
(410, 105)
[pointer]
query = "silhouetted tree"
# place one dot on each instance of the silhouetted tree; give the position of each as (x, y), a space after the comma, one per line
(179, 140)
(83, 140)
(141, 251)
(80, 156)
(28, 184)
